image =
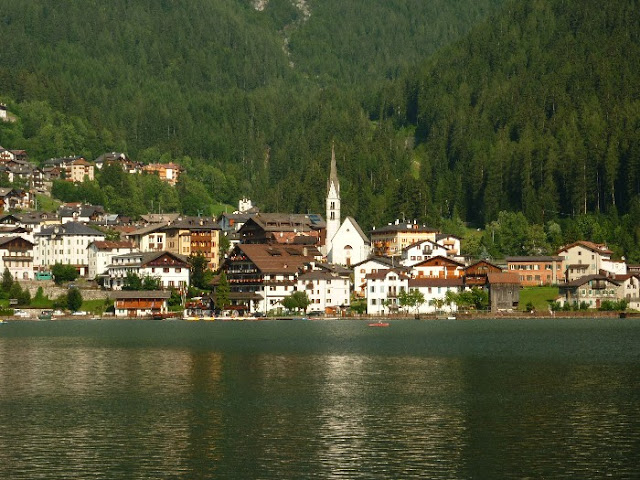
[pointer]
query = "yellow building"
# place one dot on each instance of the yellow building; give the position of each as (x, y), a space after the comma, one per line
(391, 239)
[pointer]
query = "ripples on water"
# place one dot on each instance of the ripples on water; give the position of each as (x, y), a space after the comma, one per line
(275, 400)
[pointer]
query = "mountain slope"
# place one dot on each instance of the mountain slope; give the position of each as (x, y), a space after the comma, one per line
(537, 110)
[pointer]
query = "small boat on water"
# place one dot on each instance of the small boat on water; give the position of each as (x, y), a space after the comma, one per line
(45, 315)
(379, 324)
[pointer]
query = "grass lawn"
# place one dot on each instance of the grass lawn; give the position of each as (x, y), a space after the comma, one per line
(46, 203)
(94, 306)
(539, 296)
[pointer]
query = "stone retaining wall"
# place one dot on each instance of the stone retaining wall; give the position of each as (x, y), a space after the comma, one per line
(51, 290)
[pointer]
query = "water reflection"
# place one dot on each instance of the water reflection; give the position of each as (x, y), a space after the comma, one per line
(88, 406)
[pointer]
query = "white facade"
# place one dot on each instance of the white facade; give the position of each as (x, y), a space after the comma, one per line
(349, 245)
(383, 289)
(275, 287)
(100, 255)
(588, 255)
(172, 271)
(614, 266)
(66, 244)
(434, 290)
(420, 251)
(362, 269)
(325, 290)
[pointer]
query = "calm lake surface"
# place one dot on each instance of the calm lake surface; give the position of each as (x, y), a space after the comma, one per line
(320, 399)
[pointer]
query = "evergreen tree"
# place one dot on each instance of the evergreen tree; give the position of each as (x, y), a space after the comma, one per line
(74, 299)
(222, 292)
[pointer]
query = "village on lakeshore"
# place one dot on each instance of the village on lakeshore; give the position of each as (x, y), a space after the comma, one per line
(256, 264)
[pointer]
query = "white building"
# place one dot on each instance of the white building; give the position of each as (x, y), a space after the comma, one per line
(434, 290)
(422, 250)
(585, 258)
(100, 255)
(66, 244)
(171, 269)
(327, 290)
(383, 288)
(370, 265)
(349, 245)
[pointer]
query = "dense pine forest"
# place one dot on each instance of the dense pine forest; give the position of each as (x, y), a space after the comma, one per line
(522, 117)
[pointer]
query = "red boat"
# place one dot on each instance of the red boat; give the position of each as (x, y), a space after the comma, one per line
(379, 324)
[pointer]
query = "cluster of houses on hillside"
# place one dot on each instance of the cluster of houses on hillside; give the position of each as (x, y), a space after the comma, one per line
(16, 167)
(272, 255)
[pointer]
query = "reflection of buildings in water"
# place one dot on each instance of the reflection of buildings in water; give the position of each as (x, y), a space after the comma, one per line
(403, 412)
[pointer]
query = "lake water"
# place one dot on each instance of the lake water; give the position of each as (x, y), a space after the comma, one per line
(320, 399)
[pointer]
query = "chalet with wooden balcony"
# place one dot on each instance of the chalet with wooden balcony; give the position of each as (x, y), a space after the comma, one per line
(590, 289)
(261, 275)
(476, 274)
(438, 267)
(281, 228)
(16, 255)
(194, 236)
(135, 304)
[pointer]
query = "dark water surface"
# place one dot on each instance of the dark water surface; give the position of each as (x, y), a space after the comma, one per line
(320, 399)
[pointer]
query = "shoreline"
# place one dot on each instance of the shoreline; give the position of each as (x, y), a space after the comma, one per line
(364, 318)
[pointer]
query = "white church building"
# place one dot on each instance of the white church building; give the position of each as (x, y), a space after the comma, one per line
(346, 243)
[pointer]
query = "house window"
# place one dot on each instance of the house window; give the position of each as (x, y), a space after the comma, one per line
(178, 270)
(165, 269)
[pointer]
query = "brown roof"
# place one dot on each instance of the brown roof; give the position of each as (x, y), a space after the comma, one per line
(435, 282)
(503, 278)
(446, 260)
(140, 294)
(594, 247)
(278, 258)
(110, 245)
(380, 274)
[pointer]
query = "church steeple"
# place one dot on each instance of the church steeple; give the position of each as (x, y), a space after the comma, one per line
(333, 200)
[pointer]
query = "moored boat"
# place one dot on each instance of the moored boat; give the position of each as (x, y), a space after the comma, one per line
(379, 324)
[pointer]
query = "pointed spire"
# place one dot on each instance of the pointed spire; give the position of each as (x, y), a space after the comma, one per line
(333, 174)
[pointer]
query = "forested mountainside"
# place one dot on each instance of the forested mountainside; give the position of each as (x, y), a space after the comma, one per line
(537, 110)
(238, 87)
(438, 110)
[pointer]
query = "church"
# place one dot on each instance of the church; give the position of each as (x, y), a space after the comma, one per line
(346, 243)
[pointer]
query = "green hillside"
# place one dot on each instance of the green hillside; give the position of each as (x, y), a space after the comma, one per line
(443, 111)
(538, 111)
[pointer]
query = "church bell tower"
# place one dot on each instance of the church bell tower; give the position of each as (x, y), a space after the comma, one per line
(333, 201)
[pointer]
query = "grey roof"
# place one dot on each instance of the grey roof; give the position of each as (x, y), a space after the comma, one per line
(148, 229)
(70, 228)
(586, 279)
